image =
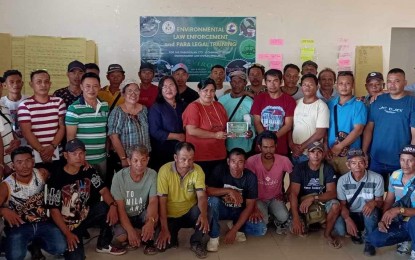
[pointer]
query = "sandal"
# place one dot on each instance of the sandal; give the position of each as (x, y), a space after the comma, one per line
(150, 250)
(334, 243)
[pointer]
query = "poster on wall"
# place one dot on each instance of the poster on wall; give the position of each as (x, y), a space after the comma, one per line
(198, 42)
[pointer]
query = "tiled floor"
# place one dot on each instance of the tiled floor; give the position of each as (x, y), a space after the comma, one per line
(271, 246)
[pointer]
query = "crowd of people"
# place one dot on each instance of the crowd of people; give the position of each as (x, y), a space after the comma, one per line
(141, 161)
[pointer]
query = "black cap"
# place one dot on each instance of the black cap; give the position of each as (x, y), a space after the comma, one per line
(408, 149)
(73, 145)
(115, 67)
(146, 66)
(76, 64)
(355, 152)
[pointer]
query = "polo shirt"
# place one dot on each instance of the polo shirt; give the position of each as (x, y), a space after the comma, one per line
(396, 186)
(347, 187)
(180, 191)
(349, 114)
(105, 95)
(91, 127)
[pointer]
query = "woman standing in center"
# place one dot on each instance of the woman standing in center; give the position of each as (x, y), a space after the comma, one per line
(205, 123)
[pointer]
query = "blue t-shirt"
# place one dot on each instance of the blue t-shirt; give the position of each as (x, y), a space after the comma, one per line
(351, 113)
(396, 186)
(393, 119)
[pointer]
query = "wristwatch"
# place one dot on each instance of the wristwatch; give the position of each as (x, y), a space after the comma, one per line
(401, 211)
(316, 197)
(114, 203)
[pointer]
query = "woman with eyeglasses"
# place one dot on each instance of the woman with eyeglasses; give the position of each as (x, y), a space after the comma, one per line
(205, 123)
(128, 123)
(165, 122)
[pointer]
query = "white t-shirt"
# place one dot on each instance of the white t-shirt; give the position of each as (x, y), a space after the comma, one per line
(221, 92)
(308, 117)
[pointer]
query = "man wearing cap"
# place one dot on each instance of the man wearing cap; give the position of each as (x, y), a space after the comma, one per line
(41, 118)
(291, 77)
(148, 91)
(361, 195)
(270, 169)
(256, 77)
(305, 181)
(111, 93)
(374, 87)
(73, 197)
(217, 73)
(311, 119)
(238, 105)
(72, 92)
(274, 110)
(180, 73)
(86, 119)
(348, 118)
(326, 80)
(391, 126)
(398, 222)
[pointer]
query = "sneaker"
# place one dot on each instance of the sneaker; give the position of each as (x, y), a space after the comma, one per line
(404, 248)
(199, 250)
(412, 257)
(357, 240)
(112, 250)
(213, 245)
(280, 229)
(369, 250)
(240, 237)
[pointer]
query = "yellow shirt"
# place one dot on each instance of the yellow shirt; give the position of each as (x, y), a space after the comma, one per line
(106, 95)
(180, 191)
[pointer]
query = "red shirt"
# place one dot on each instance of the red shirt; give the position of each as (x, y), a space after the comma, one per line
(148, 96)
(212, 118)
(273, 113)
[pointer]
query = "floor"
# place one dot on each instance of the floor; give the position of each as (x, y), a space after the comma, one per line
(270, 246)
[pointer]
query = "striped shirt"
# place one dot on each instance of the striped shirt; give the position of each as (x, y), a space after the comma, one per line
(91, 127)
(6, 132)
(44, 117)
(347, 187)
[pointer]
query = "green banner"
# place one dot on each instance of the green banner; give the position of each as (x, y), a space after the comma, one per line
(198, 42)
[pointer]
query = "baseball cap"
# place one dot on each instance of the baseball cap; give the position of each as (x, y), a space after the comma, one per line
(74, 144)
(374, 75)
(115, 67)
(355, 152)
(310, 63)
(76, 64)
(180, 66)
(408, 149)
(146, 66)
(315, 145)
(238, 73)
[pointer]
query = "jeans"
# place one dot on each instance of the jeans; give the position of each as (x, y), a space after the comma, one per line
(399, 231)
(221, 212)
(363, 223)
(97, 216)
(47, 233)
(384, 170)
(188, 220)
(277, 209)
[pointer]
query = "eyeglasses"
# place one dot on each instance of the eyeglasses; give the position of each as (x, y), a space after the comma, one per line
(131, 91)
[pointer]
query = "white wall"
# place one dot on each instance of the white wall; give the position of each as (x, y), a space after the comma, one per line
(114, 24)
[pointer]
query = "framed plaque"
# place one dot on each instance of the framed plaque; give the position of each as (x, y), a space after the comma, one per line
(237, 129)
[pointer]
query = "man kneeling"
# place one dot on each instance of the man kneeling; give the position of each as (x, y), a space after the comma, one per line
(232, 194)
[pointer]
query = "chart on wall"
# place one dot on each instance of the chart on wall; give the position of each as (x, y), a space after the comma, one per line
(198, 42)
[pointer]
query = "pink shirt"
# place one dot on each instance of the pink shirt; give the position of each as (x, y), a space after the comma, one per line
(269, 182)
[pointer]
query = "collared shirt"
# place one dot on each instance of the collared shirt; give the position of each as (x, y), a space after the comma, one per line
(105, 95)
(180, 191)
(91, 127)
